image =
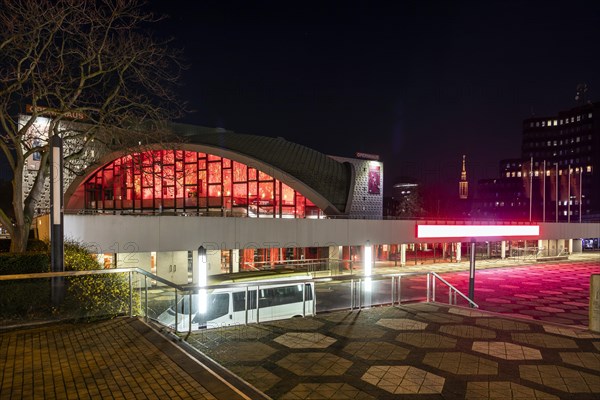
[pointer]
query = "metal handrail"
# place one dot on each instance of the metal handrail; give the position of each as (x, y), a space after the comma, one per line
(456, 291)
(190, 290)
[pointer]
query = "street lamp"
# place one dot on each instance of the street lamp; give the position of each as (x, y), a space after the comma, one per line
(202, 280)
(56, 218)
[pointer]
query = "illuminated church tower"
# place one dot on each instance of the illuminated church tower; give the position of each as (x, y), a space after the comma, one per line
(463, 185)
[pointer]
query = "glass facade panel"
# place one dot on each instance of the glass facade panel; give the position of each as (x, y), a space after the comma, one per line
(191, 182)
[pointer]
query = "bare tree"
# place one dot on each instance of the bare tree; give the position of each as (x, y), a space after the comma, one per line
(88, 71)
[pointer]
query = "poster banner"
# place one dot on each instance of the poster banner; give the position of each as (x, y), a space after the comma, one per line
(374, 179)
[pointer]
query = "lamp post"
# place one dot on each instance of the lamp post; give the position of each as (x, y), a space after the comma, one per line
(202, 280)
(472, 272)
(56, 218)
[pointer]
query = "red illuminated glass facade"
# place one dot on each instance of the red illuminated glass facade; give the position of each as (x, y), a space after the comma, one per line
(189, 181)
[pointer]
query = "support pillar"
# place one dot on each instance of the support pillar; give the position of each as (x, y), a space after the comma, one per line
(235, 260)
(570, 246)
(503, 249)
(458, 252)
(403, 255)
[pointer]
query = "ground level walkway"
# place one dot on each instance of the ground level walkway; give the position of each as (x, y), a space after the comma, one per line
(118, 359)
(423, 351)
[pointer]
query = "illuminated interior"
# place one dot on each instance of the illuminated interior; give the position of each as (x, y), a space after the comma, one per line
(192, 182)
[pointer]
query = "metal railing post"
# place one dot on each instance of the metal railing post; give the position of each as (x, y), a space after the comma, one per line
(131, 293)
(352, 294)
(176, 312)
(450, 296)
(428, 288)
(246, 305)
(433, 288)
(359, 294)
(190, 313)
(392, 291)
(257, 303)
(146, 296)
(304, 299)
(399, 289)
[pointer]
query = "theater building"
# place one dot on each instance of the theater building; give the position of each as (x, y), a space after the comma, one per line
(254, 203)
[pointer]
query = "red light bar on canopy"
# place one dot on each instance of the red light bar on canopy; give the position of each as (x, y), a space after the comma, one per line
(472, 231)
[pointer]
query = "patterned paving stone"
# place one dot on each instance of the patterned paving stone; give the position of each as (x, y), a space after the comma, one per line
(507, 351)
(404, 380)
(440, 318)
(358, 331)
(239, 332)
(315, 364)
(561, 378)
(377, 351)
(587, 360)
(503, 324)
(571, 332)
(544, 340)
(469, 313)
(427, 340)
(504, 391)
(242, 351)
(461, 363)
(424, 307)
(257, 376)
(402, 324)
(305, 340)
(597, 345)
(325, 391)
(297, 324)
(468, 331)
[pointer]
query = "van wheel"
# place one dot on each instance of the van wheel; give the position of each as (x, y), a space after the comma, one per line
(297, 316)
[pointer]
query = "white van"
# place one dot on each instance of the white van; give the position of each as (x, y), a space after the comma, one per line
(232, 307)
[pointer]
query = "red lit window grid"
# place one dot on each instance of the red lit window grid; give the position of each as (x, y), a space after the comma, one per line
(192, 182)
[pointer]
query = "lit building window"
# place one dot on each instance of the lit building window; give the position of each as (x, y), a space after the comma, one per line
(590, 115)
(519, 174)
(578, 118)
(192, 182)
(589, 168)
(508, 174)
(572, 119)
(555, 122)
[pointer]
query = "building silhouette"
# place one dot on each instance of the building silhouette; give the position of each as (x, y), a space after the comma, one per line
(557, 176)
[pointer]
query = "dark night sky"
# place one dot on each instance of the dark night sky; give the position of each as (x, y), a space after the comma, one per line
(418, 82)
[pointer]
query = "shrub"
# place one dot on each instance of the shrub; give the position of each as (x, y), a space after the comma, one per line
(95, 296)
(24, 298)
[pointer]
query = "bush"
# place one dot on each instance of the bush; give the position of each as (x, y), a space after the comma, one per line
(33, 245)
(95, 296)
(24, 298)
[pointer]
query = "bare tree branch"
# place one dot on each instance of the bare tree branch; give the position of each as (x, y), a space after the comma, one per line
(91, 69)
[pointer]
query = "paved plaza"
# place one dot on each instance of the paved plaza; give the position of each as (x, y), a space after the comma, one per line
(419, 351)
(427, 351)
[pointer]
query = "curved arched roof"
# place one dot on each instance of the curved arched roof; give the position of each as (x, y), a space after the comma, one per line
(330, 178)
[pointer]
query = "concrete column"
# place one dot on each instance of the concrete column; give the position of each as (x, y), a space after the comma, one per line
(458, 252)
(541, 246)
(403, 255)
(503, 249)
(577, 246)
(489, 249)
(334, 254)
(444, 250)
(570, 246)
(195, 267)
(235, 260)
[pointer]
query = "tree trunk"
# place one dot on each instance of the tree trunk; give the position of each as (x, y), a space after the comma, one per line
(19, 236)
